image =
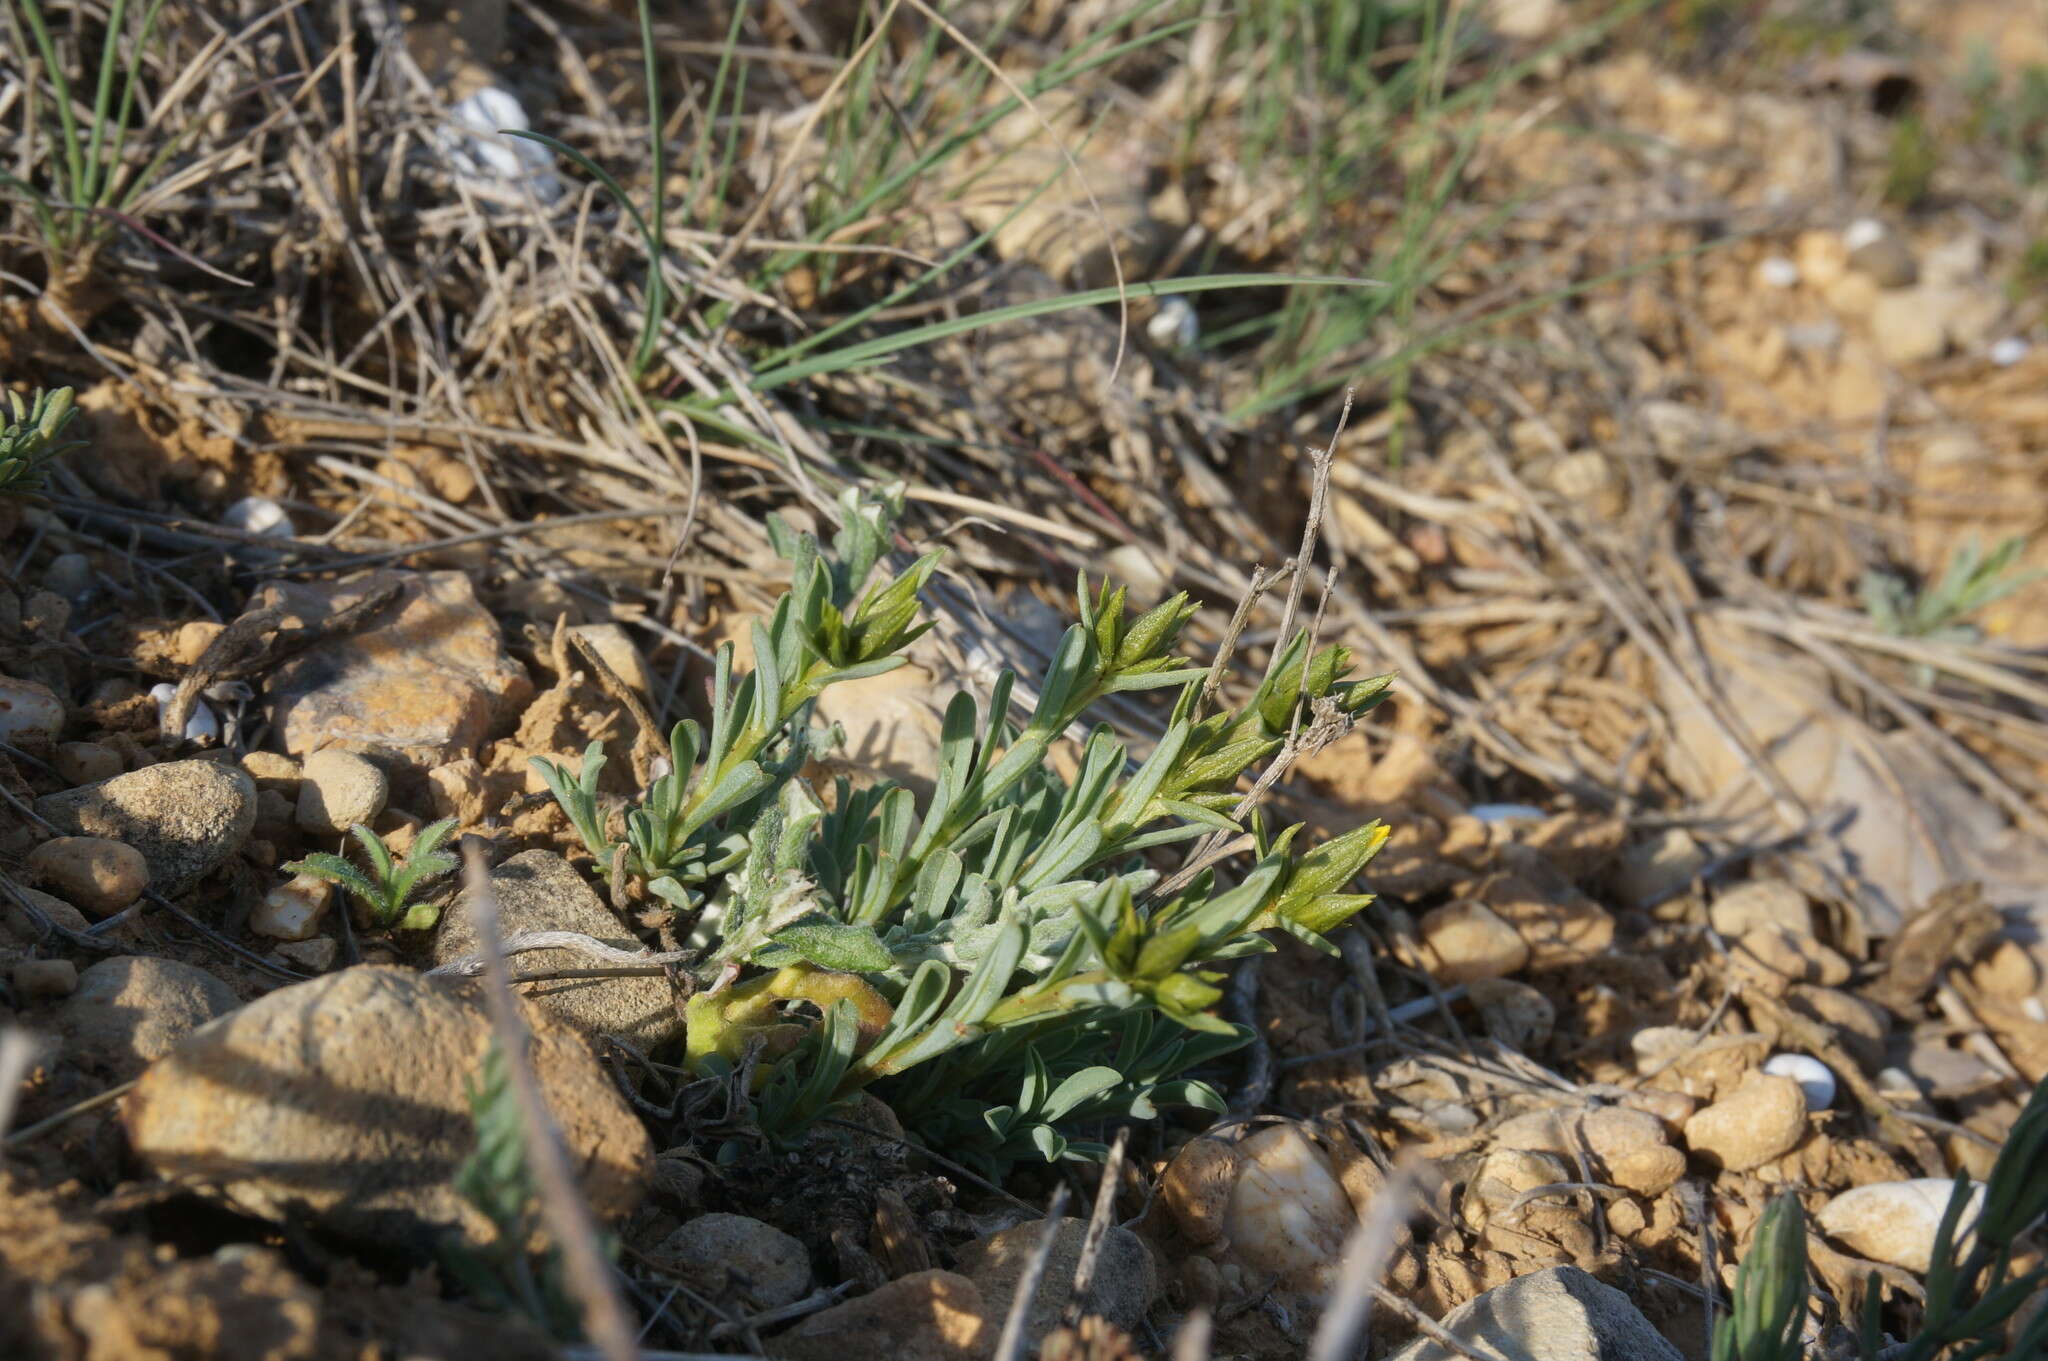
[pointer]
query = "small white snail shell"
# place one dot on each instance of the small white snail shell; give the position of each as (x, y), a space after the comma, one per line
(200, 726)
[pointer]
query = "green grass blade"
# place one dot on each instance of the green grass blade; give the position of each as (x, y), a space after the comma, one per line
(113, 158)
(657, 287)
(881, 347)
(103, 98)
(71, 174)
(656, 290)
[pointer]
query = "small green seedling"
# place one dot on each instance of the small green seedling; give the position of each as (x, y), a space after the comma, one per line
(1770, 1291)
(1941, 610)
(387, 889)
(31, 436)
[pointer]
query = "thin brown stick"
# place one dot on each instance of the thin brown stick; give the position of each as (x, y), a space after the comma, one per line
(50, 1122)
(1014, 1339)
(1099, 1221)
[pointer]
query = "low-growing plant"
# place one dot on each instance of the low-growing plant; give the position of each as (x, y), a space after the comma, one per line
(32, 436)
(1941, 610)
(385, 891)
(1001, 956)
(1971, 1294)
(1914, 156)
(497, 1180)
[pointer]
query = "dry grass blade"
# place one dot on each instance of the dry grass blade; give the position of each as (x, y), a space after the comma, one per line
(1340, 1335)
(567, 1217)
(1191, 1343)
(1011, 1344)
(1098, 1229)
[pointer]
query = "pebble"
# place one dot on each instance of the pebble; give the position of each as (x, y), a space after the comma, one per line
(71, 576)
(1947, 1074)
(1660, 868)
(1880, 254)
(201, 725)
(276, 815)
(36, 980)
(1673, 1108)
(1560, 1314)
(425, 680)
(31, 714)
(259, 515)
(1175, 325)
(1500, 814)
(726, 1251)
(1196, 1187)
(1895, 1221)
(1513, 1013)
(293, 910)
(457, 791)
(1816, 1080)
(80, 763)
(1906, 329)
(1630, 1148)
(1762, 1119)
(488, 158)
(2008, 973)
(1792, 954)
(1288, 1215)
(314, 956)
(340, 789)
(192, 639)
(273, 770)
(1503, 1177)
(1559, 925)
(679, 1175)
(46, 613)
(1822, 257)
(925, 1316)
(540, 891)
(2008, 351)
(185, 817)
(97, 875)
(1860, 1027)
(1132, 566)
(1125, 1280)
(18, 928)
(133, 1009)
(1470, 941)
(363, 1076)
(1778, 272)
(1760, 902)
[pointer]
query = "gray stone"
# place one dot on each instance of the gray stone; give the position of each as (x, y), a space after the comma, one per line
(133, 1009)
(540, 891)
(1558, 1314)
(728, 1252)
(345, 1101)
(186, 817)
(425, 680)
(17, 927)
(1123, 1289)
